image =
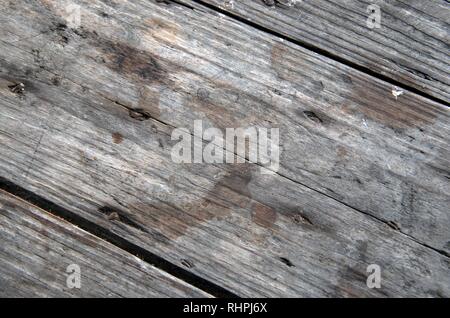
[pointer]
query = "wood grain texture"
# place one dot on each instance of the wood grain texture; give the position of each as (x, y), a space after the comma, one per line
(70, 138)
(384, 156)
(37, 248)
(411, 46)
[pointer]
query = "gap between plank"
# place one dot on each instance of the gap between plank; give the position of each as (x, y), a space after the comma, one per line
(317, 50)
(116, 240)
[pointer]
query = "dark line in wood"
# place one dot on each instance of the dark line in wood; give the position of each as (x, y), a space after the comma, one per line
(116, 240)
(323, 52)
(388, 223)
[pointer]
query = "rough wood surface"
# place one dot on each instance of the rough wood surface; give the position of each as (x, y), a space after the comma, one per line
(342, 133)
(37, 248)
(411, 46)
(359, 185)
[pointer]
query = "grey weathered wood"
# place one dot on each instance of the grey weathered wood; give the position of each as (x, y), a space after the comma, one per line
(36, 249)
(229, 224)
(256, 235)
(411, 46)
(384, 156)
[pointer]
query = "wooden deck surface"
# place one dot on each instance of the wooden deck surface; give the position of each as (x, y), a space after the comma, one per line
(87, 113)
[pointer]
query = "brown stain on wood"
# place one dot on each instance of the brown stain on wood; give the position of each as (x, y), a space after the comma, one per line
(133, 63)
(263, 215)
(229, 194)
(120, 57)
(138, 65)
(341, 152)
(117, 138)
(141, 67)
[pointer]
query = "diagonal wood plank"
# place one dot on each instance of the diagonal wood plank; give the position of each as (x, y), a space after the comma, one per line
(38, 248)
(254, 234)
(411, 46)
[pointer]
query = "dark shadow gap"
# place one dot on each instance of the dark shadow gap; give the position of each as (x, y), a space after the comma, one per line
(118, 241)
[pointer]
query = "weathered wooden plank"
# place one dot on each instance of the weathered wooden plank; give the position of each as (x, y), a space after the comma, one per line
(38, 249)
(344, 134)
(410, 47)
(257, 235)
(254, 234)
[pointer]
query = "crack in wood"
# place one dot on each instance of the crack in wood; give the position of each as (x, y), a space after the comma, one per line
(122, 243)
